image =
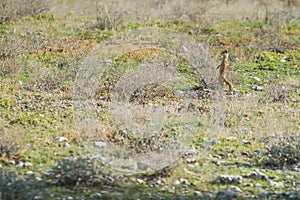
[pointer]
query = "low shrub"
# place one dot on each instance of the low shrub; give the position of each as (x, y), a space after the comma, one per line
(14, 187)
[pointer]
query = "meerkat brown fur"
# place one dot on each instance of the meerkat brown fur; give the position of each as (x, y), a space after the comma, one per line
(223, 67)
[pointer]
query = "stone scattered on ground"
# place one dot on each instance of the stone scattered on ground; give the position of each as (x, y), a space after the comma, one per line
(257, 88)
(226, 195)
(257, 175)
(225, 179)
(61, 139)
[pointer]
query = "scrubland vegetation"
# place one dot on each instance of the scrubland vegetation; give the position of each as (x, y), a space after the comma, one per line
(242, 145)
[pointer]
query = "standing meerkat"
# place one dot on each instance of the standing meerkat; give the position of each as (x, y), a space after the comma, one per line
(223, 67)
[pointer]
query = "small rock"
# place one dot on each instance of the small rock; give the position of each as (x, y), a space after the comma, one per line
(176, 182)
(224, 179)
(96, 195)
(12, 162)
(245, 153)
(61, 139)
(197, 193)
(70, 198)
(183, 49)
(257, 175)
(257, 88)
(48, 173)
(284, 59)
(29, 173)
(234, 189)
(257, 185)
(226, 195)
(191, 152)
(230, 138)
(143, 165)
(140, 181)
(245, 142)
(191, 160)
(260, 152)
(219, 162)
(25, 164)
(276, 184)
(106, 62)
(184, 181)
(67, 145)
(161, 181)
(256, 78)
(273, 177)
(100, 144)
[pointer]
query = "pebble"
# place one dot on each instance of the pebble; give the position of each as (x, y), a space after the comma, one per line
(257, 88)
(257, 175)
(61, 139)
(197, 193)
(161, 181)
(184, 181)
(140, 181)
(106, 62)
(176, 182)
(100, 144)
(234, 189)
(226, 195)
(191, 160)
(276, 184)
(96, 195)
(67, 145)
(256, 78)
(191, 152)
(29, 173)
(25, 164)
(224, 179)
(245, 142)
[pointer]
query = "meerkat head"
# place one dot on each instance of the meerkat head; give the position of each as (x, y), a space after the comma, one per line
(224, 53)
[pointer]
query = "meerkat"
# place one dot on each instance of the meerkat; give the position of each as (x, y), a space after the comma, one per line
(223, 67)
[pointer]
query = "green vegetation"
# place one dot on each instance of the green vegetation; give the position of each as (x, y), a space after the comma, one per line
(42, 47)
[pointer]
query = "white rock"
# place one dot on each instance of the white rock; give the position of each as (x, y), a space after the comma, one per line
(100, 144)
(61, 139)
(24, 164)
(245, 142)
(276, 184)
(256, 78)
(191, 160)
(234, 189)
(257, 88)
(197, 193)
(258, 175)
(224, 179)
(176, 182)
(12, 162)
(106, 62)
(67, 145)
(161, 181)
(29, 173)
(140, 181)
(96, 195)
